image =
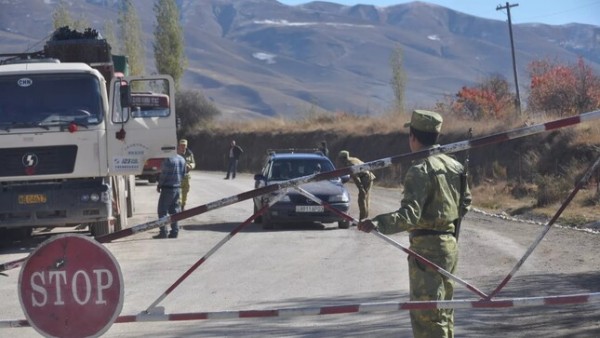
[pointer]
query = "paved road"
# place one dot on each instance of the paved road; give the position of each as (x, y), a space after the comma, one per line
(312, 265)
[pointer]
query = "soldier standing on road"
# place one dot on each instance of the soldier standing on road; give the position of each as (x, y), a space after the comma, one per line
(363, 180)
(431, 205)
(233, 156)
(172, 172)
(190, 164)
(323, 148)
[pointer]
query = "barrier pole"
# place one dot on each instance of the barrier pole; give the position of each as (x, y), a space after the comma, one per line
(373, 165)
(222, 242)
(410, 252)
(546, 228)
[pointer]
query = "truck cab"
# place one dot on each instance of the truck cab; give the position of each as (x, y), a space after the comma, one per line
(72, 141)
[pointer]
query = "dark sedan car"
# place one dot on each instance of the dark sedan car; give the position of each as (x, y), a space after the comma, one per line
(295, 207)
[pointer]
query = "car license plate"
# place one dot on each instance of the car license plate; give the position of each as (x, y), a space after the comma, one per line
(32, 199)
(309, 208)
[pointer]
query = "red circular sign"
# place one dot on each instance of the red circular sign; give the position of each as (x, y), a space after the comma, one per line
(71, 286)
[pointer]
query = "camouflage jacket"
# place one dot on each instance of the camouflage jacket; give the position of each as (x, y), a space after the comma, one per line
(190, 162)
(431, 197)
(352, 161)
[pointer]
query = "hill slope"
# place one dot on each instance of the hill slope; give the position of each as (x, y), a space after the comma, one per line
(262, 58)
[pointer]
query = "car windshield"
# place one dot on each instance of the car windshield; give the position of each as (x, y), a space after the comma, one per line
(285, 169)
(46, 100)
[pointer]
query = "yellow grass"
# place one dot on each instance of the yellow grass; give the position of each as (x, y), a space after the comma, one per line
(491, 196)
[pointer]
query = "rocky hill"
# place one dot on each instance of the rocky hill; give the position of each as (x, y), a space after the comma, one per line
(257, 58)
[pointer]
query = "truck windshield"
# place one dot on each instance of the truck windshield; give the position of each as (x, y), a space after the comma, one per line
(46, 100)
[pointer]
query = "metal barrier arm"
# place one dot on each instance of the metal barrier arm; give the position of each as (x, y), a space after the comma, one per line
(373, 165)
(420, 258)
(546, 228)
(161, 316)
(272, 201)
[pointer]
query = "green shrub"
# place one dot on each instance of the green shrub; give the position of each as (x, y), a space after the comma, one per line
(551, 189)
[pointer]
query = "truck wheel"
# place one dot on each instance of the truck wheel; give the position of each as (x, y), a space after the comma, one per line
(130, 196)
(101, 228)
(266, 223)
(343, 224)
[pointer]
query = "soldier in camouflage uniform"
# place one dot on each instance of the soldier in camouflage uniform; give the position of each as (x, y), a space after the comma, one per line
(431, 205)
(363, 180)
(190, 163)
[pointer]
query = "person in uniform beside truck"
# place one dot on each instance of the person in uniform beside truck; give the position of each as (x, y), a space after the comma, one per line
(171, 176)
(190, 164)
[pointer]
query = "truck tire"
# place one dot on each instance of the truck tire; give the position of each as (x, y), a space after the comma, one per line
(100, 228)
(344, 224)
(120, 202)
(130, 196)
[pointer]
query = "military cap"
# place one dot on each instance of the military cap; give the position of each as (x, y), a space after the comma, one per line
(344, 154)
(426, 121)
(183, 141)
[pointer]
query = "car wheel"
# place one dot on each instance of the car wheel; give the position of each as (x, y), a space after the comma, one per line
(343, 224)
(266, 223)
(258, 219)
(152, 179)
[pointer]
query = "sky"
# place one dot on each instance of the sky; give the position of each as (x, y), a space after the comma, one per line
(552, 12)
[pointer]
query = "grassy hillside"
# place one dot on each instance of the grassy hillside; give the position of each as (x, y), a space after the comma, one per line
(529, 177)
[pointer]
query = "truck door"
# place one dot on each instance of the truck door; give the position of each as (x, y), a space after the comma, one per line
(144, 127)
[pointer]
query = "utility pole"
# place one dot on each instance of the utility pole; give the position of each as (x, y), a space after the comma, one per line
(512, 48)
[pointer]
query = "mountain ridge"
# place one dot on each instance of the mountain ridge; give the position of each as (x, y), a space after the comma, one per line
(261, 58)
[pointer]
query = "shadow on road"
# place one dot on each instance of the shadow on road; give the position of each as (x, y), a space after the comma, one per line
(576, 320)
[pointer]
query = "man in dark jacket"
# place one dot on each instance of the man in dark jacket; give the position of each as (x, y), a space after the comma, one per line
(233, 155)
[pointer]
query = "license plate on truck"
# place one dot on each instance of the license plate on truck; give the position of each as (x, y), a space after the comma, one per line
(32, 199)
(309, 208)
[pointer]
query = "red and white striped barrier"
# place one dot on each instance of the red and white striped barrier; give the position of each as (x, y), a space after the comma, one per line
(410, 252)
(214, 249)
(546, 228)
(159, 314)
(373, 165)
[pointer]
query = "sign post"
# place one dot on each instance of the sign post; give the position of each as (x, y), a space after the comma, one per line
(71, 286)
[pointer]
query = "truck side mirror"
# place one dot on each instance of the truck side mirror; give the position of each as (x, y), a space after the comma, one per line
(125, 91)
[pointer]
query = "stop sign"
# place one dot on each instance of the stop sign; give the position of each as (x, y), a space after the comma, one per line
(71, 286)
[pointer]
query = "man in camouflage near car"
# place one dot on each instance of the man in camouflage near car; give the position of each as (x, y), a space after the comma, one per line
(190, 164)
(431, 206)
(363, 180)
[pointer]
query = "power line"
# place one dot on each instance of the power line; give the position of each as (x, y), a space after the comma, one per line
(589, 4)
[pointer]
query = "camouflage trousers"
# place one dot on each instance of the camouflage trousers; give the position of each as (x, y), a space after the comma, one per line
(363, 197)
(427, 284)
(185, 188)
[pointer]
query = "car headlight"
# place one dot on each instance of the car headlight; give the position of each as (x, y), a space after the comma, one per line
(339, 198)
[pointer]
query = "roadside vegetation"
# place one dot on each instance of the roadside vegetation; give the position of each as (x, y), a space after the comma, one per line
(528, 177)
